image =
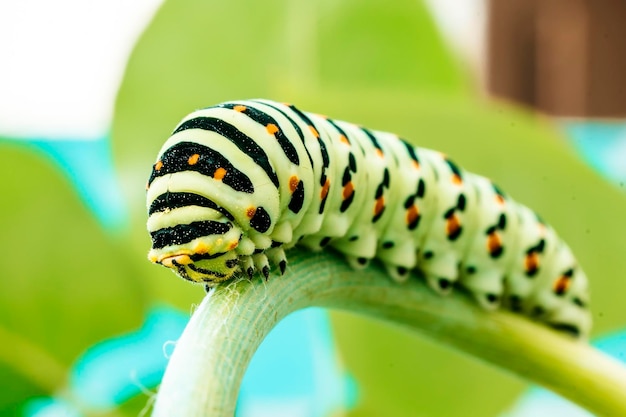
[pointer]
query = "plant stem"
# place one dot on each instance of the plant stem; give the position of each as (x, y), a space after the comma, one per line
(208, 364)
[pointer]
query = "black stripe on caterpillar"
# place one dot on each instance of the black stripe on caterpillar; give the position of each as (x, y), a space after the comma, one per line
(239, 183)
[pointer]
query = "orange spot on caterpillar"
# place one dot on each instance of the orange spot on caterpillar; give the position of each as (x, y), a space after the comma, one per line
(314, 131)
(561, 284)
(379, 206)
(411, 214)
(193, 159)
(158, 165)
(219, 173)
(499, 199)
(239, 108)
(271, 128)
(348, 189)
(531, 263)
(293, 183)
(494, 243)
(201, 248)
(452, 225)
(456, 179)
(416, 165)
(379, 153)
(172, 261)
(250, 212)
(344, 139)
(325, 188)
(233, 245)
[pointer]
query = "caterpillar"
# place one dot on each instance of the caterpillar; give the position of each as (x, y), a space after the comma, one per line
(239, 183)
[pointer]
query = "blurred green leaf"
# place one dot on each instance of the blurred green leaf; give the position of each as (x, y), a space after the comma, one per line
(64, 285)
(19, 388)
(366, 44)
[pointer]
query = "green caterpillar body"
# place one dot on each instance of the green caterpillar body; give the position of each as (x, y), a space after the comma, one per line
(238, 184)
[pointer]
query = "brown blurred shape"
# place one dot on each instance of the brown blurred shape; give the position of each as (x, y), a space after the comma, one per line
(563, 57)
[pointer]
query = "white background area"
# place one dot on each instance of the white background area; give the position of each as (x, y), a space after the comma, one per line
(61, 63)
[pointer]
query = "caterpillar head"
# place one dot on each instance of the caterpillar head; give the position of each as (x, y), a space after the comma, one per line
(202, 250)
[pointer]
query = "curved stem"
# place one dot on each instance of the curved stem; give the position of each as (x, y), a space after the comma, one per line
(208, 364)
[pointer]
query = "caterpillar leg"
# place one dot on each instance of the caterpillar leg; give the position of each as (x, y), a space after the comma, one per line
(359, 249)
(357, 262)
(488, 300)
(246, 264)
(262, 264)
(486, 286)
(277, 257)
(440, 284)
(398, 273)
(399, 258)
(283, 232)
(440, 270)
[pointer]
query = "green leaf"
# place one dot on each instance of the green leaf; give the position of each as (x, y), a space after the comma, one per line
(65, 285)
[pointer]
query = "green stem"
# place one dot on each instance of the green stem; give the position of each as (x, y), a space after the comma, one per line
(208, 364)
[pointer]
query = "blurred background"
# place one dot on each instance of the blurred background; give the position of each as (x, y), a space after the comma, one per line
(530, 93)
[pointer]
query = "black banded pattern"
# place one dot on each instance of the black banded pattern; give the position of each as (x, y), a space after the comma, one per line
(245, 143)
(271, 125)
(174, 200)
(185, 233)
(208, 162)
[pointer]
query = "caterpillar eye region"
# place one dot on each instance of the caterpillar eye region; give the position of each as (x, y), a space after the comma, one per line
(193, 236)
(201, 268)
(176, 261)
